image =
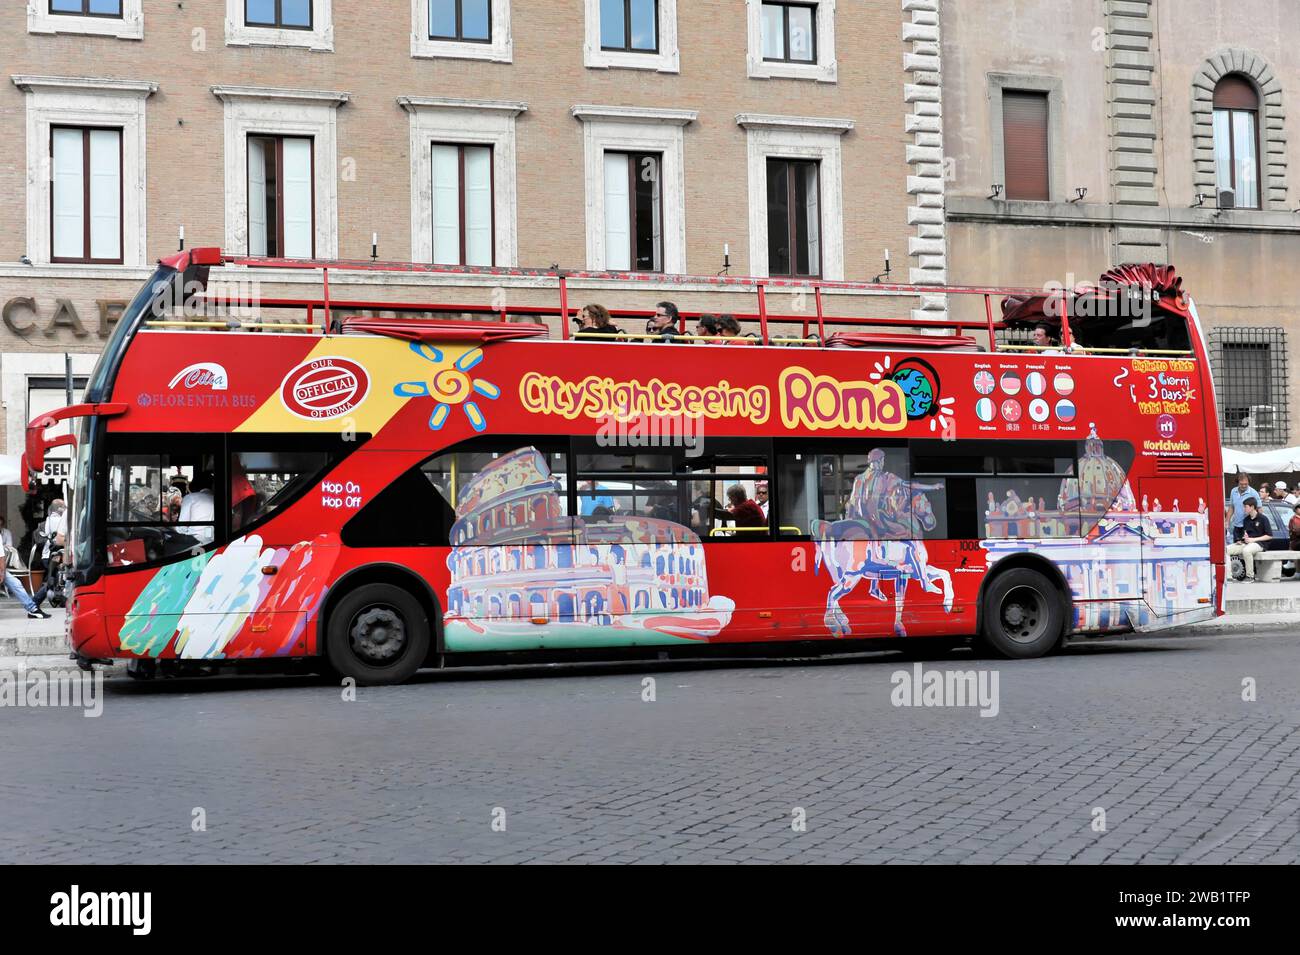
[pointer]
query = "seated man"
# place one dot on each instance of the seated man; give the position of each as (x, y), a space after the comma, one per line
(744, 511)
(1256, 532)
(31, 604)
(198, 506)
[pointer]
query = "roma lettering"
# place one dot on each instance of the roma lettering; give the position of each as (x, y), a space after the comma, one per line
(820, 402)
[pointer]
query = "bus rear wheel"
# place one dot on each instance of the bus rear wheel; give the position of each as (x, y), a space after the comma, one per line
(1023, 615)
(377, 634)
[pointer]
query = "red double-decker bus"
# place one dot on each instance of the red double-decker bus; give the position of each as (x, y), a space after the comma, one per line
(383, 494)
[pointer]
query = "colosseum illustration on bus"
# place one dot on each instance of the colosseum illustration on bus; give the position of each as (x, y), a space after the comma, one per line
(525, 575)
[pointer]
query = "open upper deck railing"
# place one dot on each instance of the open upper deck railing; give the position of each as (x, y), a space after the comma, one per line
(813, 321)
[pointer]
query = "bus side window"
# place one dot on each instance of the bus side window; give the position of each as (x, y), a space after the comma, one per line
(866, 483)
(501, 496)
(263, 481)
(160, 504)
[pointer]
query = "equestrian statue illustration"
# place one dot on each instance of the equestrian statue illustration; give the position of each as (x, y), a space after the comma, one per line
(875, 542)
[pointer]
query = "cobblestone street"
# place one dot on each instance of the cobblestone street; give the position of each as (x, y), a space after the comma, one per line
(578, 768)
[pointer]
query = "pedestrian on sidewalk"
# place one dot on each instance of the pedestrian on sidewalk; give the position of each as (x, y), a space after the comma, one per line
(1236, 508)
(1293, 528)
(1256, 531)
(32, 604)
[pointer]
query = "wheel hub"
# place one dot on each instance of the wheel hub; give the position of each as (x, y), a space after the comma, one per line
(378, 634)
(1024, 615)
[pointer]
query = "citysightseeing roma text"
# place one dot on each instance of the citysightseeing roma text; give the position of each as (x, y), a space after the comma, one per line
(806, 400)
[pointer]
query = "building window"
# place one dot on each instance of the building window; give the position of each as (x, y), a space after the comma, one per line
(793, 217)
(467, 21)
(86, 195)
(462, 205)
(462, 180)
(634, 161)
(123, 19)
(281, 197)
(281, 171)
(1025, 145)
(631, 25)
(634, 34)
(791, 40)
(461, 29)
(790, 32)
(285, 14)
(85, 176)
(1236, 139)
(87, 8)
(292, 23)
(1250, 378)
(633, 212)
(796, 194)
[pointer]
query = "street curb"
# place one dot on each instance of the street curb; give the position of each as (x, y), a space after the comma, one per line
(49, 663)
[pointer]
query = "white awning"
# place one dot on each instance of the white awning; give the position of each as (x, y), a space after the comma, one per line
(1261, 462)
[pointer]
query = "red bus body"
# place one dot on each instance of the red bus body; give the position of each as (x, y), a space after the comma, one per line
(1154, 559)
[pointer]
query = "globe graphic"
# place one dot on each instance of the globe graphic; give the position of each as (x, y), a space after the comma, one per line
(918, 391)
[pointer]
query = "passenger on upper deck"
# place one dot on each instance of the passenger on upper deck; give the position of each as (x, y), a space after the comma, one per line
(1045, 338)
(664, 323)
(707, 328)
(731, 332)
(594, 320)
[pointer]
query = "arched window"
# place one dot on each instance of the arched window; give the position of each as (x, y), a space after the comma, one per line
(1236, 139)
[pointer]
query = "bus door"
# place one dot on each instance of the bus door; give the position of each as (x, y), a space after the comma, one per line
(1177, 575)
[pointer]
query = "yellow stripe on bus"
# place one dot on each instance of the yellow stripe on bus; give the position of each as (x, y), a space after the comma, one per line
(388, 364)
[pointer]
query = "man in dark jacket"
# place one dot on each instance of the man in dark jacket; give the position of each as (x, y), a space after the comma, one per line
(1256, 533)
(665, 324)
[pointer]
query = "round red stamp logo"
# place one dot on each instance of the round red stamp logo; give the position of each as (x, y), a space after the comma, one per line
(324, 388)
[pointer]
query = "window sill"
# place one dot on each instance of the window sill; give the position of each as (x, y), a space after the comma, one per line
(130, 26)
(816, 72)
(320, 40)
(597, 59)
(498, 51)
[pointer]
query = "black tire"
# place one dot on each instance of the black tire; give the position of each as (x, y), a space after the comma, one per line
(1023, 615)
(377, 634)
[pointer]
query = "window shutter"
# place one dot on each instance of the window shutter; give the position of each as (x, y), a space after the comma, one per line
(657, 201)
(478, 205)
(1235, 92)
(68, 194)
(257, 195)
(297, 180)
(813, 200)
(1024, 136)
(105, 194)
(446, 205)
(618, 213)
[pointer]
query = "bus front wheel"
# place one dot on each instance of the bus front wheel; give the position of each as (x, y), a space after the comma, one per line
(377, 634)
(1023, 615)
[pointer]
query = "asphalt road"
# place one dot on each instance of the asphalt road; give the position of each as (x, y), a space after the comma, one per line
(572, 765)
